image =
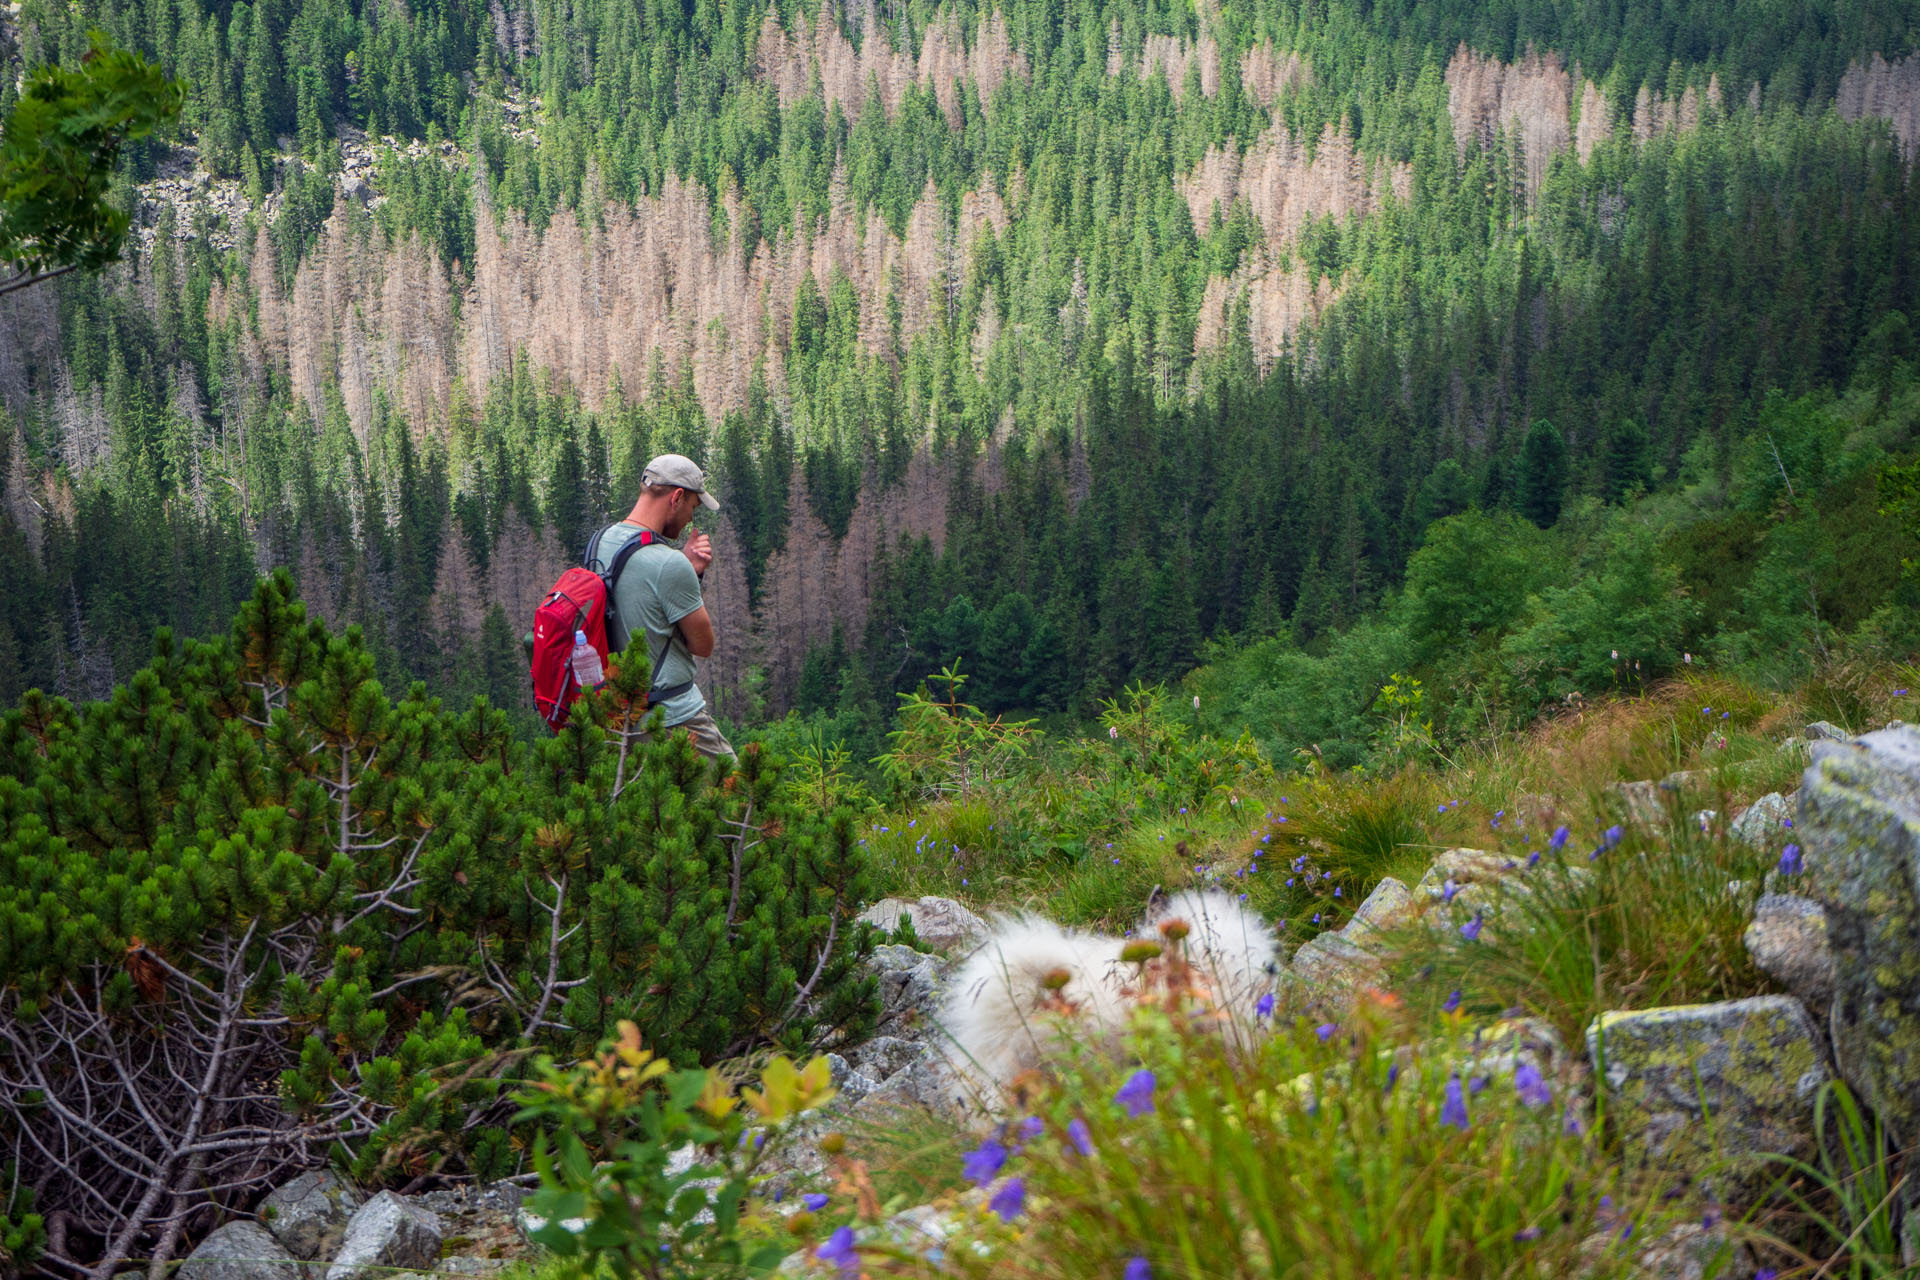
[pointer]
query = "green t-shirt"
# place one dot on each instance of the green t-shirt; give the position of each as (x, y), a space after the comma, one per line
(657, 588)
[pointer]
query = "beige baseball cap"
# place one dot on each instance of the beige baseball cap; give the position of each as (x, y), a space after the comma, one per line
(679, 470)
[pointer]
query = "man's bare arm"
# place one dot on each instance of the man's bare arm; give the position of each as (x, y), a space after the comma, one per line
(697, 630)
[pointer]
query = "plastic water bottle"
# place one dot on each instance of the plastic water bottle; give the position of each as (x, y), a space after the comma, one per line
(586, 662)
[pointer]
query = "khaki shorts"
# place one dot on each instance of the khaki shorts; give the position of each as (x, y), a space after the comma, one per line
(707, 738)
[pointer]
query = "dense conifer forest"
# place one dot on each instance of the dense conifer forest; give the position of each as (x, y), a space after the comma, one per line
(1075, 342)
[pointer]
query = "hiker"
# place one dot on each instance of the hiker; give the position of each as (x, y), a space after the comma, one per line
(659, 587)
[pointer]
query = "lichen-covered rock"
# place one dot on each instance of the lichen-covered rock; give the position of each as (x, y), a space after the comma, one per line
(387, 1231)
(241, 1251)
(940, 923)
(909, 985)
(1860, 825)
(1327, 970)
(309, 1214)
(848, 1081)
(1788, 940)
(1762, 823)
(1645, 802)
(1709, 1090)
(929, 1084)
(1463, 867)
(1389, 906)
(884, 1057)
(1821, 731)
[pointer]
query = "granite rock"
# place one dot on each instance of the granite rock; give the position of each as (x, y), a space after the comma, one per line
(909, 986)
(1788, 940)
(1760, 824)
(1328, 970)
(1709, 1091)
(309, 1214)
(241, 1251)
(1389, 906)
(387, 1231)
(1860, 825)
(940, 923)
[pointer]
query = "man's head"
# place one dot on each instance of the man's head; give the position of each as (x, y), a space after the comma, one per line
(672, 488)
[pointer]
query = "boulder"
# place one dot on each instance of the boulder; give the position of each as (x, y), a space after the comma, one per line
(940, 923)
(1463, 867)
(1821, 731)
(929, 1085)
(1389, 906)
(1639, 802)
(1709, 1090)
(848, 1082)
(1860, 825)
(241, 1251)
(1328, 969)
(309, 1214)
(884, 1057)
(387, 1231)
(909, 986)
(1788, 941)
(1761, 823)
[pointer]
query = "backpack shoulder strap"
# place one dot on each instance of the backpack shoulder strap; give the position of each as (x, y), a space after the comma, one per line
(645, 538)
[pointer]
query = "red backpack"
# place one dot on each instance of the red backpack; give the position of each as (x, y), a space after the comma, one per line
(582, 600)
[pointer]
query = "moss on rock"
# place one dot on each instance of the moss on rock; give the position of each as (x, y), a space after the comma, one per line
(1707, 1091)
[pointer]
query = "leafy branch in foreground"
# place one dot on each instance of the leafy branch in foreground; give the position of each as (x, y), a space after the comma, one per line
(57, 151)
(618, 1121)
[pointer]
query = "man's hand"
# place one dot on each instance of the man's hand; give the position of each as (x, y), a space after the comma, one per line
(698, 551)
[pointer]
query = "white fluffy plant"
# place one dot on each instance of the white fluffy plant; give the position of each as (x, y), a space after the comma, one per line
(1034, 987)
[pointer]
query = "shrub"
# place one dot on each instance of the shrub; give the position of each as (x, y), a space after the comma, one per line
(251, 866)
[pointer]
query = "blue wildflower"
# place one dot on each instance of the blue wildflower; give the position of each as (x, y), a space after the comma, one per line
(1263, 1007)
(1471, 929)
(1527, 1233)
(1079, 1136)
(1031, 1128)
(983, 1164)
(1325, 1031)
(1612, 836)
(1531, 1086)
(1791, 863)
(1454, 1110)
(1453, 1002)
(1137, 1269)
(815, 1201)
(1559, 840)
(1448, 889)
(1010, 1200)
(839, 1250)
(1136, 1095)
